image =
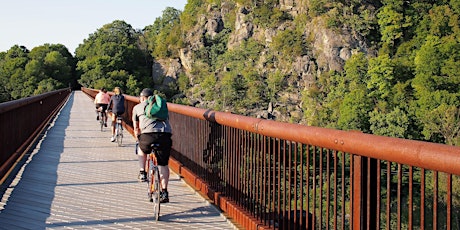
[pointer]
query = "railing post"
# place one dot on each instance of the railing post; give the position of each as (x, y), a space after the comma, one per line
(357, 211)
(364, 193)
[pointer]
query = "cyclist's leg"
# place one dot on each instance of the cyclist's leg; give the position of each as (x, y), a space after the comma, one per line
(164, 176)
(97, 112)
(162, 156)
(144, 147)
(163, 170)
(114, 120)
(104, 113)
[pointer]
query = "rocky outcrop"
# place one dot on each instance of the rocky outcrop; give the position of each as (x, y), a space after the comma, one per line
(328, 50)
(332, 48)
(243, 28)
(166, 71)
(214, 25)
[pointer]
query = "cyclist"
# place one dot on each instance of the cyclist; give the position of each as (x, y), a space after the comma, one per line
(148, 131)
(101, 101)
(117, 106)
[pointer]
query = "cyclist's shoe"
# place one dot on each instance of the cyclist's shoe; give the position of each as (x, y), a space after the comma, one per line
(112, 139)
(105, 124)
(142, 176)
(164, 197)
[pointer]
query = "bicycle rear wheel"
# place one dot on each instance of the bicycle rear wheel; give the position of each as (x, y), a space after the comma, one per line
(101, 121)
(119, 135)
(120, 138)
(156, 194)
(154, 189)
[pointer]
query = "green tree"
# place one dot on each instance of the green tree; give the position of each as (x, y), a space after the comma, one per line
(56, 63)
(391, 21)
(274, 84)
(290, 43)
(208, 85)
(381, 77)
(189, 17)
(253, 89)
(183, 82)
(25, 73)
(12, 72)
(164, 37)
(268, 16)
(392, 124)
(333, 90)
(110, 56)
(48, 85)
(443, 120)
(354, 111)
(436, 87)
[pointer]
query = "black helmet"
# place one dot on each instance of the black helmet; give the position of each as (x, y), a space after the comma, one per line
(146, 92)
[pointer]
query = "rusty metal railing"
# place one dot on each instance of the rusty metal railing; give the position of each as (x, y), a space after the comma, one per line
(21, 121)
(272, 175)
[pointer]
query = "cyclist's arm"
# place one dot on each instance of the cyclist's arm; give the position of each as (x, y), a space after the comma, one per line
(95, 98)
(135, 120)
(109, 105)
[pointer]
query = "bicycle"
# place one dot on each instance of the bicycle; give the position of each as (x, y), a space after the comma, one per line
(101, 116)
(153, 179)
(119, 131)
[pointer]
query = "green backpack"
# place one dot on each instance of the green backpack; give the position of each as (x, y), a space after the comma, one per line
(157, 108)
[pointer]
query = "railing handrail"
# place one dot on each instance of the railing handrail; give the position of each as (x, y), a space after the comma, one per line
(10, 105)
(439, 157)
(434, 156)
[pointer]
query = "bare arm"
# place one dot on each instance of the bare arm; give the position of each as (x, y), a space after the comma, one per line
(135, 120)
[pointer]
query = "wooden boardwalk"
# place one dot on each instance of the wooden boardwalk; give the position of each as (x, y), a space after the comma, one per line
(77, 179)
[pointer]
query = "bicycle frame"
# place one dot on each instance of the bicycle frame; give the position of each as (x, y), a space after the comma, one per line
(102, 117)
(153, 177)
(119, 131)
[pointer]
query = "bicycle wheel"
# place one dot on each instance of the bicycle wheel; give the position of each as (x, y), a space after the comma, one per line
(154, 187)
(101, 121)
(119, 135)
(156, 194)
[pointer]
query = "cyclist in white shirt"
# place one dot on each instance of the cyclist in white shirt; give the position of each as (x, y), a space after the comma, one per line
(101, 101)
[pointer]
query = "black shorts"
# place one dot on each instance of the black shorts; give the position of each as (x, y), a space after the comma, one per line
(104, 106)
(164, 150)
(118, 114)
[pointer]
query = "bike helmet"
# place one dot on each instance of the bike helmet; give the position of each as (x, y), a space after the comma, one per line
(146, 92)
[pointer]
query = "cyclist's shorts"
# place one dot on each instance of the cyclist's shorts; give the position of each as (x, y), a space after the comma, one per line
(104, 106)
(114, 116)
(118, 114)
(165, 141)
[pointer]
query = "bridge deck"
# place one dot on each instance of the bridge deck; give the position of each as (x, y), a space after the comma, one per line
(77, 179)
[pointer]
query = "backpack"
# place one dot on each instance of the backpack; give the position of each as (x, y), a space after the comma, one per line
(157, 108)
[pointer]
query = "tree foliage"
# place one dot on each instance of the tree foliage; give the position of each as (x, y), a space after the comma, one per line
(290, 43)
(410, 89)
(111, 57)
(25, 73)
(164, 36)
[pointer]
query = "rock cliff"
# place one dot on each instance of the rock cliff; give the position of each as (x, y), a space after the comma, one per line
(328, 50)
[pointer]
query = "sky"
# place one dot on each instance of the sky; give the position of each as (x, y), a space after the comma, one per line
(32, 23)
